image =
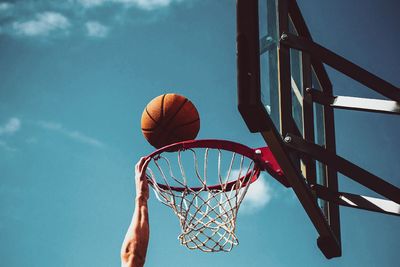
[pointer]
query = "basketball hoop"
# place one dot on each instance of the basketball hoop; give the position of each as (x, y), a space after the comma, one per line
(191, 179)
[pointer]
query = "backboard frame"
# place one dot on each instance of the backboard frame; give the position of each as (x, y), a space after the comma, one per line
(295, 142)
(258, 120)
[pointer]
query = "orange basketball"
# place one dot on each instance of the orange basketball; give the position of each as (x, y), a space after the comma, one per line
(168, 119)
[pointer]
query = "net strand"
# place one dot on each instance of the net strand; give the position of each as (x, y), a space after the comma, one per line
(207, 215)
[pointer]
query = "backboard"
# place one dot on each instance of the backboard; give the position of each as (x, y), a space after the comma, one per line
(272, 84)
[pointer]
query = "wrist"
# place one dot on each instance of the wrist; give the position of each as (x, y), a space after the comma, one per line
(141, 199)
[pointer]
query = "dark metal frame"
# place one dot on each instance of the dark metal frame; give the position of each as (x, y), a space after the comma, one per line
(358, 201)
(342, 65)
(345, 167)
(288, 145)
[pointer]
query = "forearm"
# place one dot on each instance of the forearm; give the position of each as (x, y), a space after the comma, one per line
(134, 248)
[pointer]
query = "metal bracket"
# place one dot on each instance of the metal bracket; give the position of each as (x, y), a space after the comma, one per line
(268, 163)
(328, 241)
(357, 201)
(266, 44)
(355, 103)
(345, 167)
(342, 65)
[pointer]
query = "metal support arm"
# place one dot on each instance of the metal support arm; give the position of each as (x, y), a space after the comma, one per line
(357, 201)
(345, 167)
(341, 64)
(355, 103)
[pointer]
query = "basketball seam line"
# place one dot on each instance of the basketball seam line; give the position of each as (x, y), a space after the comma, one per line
(176, 112)
(156, 122)
(166, 135)
(162, 112)
(162, 107)
(148, 114)
(173, 133)
(178, 126)
(186, 123)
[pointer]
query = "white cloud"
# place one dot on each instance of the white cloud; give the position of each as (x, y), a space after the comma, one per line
(142, 4)
(5, 146)
(84, 138)
(43, 24)
(258, 195)
(12, 126)
(92, 3)
(51, 125)
(5, 6)
(48, 18)
(96, 29)
(72, 134)
(148, 4)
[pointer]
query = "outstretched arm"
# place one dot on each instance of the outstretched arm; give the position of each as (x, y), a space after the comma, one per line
(134, 247)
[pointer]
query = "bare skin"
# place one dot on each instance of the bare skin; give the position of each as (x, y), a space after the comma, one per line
(134, 247)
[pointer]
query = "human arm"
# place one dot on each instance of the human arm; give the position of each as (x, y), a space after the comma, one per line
(134, 247)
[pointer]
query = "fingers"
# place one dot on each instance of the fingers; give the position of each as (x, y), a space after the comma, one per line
(146, 162)
(142, 165)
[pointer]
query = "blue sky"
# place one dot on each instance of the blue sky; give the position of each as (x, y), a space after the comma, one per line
(75, 77)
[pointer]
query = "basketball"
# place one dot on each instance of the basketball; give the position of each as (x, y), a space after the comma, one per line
(168, 119)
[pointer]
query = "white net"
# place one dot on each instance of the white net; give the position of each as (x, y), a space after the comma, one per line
(204, 192)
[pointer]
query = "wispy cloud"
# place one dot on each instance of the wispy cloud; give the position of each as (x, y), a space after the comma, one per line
(11, 126)
(44, 19)
(142, 4)
(5, 6)
(91, 3)
(43, 24)
(149, 4)
(72, 134)
(5, 146)
(258, 196)
(96, 29)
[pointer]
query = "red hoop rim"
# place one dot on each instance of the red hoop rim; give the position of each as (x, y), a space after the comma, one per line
(262, 157)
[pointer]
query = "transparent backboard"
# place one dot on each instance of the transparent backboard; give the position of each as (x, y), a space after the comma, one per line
(270, 88)
(274, 100)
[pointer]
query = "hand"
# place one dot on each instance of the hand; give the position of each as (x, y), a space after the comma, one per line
(142, 187)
